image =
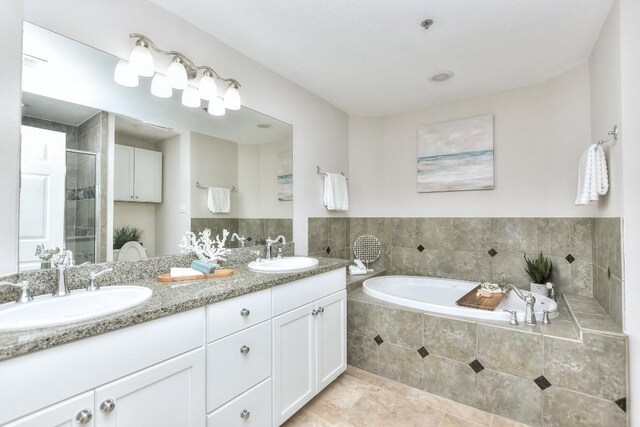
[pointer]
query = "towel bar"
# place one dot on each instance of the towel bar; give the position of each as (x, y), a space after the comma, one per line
(201, 187)
(319, 172)
(613, 134)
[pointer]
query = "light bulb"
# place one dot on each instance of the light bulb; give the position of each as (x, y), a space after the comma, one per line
(124, 74)
(216, 107)
(141, 59)
(232, 97)
(160, 86)
(177, 74)
(190, 97)
(207, 88)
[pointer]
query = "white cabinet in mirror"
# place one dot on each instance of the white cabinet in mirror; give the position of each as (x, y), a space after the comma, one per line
(104, 166)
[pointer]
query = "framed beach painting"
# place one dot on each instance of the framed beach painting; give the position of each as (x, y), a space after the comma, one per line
(456, 155)
(285, 176)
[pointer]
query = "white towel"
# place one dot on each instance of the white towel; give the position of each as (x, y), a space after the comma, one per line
(219, 200)
(336, 197)
(593, 180)
(184, 272)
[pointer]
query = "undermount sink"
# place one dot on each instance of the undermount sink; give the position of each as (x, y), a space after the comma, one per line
(284, 265)
(45, 311)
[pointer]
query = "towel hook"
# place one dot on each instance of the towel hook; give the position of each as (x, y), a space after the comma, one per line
(613, 134)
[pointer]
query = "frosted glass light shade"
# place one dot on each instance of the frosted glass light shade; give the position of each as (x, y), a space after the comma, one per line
(190, 97)
(160, 86)
(216, 107)
(207, 88)
(124, 74)
(177, 75)
(232, 98)
(141, 61)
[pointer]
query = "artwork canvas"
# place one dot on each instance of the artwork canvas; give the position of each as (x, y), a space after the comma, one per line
(285, 176)
(456, 155)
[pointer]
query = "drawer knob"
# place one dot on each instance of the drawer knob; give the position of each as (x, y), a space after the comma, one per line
(245, 312)
(245, 414)
(321, 310)
(107, 406)
(84, 417)
(314, 312)
(244, 349)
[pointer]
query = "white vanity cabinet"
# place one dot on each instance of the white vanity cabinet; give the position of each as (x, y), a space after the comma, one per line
(309, 340)
(154, 373)
(138, 175)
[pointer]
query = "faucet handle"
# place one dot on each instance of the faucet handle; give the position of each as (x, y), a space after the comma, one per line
(25, 295)
(93, 285)
(257, 254)
(545, 317)
(514, 316)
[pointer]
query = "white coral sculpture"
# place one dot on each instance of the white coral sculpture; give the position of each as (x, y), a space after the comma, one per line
(205, 248)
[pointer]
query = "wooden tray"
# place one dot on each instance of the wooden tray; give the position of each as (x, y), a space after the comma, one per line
(222, 272)
(471, 300)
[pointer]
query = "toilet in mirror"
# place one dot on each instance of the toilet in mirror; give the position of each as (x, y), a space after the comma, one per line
(112, 172)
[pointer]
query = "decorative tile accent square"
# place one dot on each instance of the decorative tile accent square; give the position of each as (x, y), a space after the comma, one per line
(328, 250)
(420, 248)
(378, 339)
(570, 258)
(622, 403)
(423, 352)
(492, 252)
(542, 382)
(476, 366)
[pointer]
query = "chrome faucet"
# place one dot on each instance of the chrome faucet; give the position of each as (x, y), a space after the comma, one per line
(45, 255)
(530, 301)
(271, 241)
(93, 284)
(61, 288)
(240, 239)
(25, 295)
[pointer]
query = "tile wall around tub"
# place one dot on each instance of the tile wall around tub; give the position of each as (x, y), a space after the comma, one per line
(256, 230)
(537, 375)
(608, 280)
(474, 249)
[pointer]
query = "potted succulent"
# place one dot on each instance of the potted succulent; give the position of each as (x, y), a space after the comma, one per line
(123, 235)
(539, 270)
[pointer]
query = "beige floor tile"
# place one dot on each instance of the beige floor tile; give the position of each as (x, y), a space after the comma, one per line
(304, 418)
(499, 421)
(453, 421)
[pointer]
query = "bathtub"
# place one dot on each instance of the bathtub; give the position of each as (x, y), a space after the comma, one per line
(440, 295)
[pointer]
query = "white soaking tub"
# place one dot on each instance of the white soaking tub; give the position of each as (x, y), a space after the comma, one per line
(440, 295)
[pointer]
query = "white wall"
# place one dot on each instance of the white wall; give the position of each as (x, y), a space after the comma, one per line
(140, 215)
(605, 88)
(171, 222)
(10, 118)
(319, 129)
(214, 162)
(540, 132)
(630, 128)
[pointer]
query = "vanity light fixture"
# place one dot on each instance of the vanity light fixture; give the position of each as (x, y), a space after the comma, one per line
(181, 74)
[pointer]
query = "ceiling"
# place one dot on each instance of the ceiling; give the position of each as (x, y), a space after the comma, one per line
(371, 57)
(55, 110)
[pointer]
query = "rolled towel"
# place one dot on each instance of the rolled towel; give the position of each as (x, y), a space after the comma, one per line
(203, 267)
(184, 272)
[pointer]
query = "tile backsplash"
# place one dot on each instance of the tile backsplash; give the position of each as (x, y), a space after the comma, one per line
(487, 249)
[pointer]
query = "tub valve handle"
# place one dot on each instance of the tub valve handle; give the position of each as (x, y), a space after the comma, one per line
(514, 316)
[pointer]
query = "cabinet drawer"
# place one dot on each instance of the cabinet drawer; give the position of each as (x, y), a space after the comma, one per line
(231, 371)
(296, 294)
(257, 404)
(232, 315)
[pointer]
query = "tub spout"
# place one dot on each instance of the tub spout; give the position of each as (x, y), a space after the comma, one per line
(530, 301)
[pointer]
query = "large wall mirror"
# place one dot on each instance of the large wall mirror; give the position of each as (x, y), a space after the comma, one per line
(112, 172)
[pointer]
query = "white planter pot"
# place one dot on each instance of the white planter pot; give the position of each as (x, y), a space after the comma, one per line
(539, 288)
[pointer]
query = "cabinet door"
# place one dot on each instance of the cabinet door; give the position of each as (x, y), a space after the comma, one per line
(76, 411)
(331, 338)
(294, 361)
(147, 176)
(123, 173)
(165, 395)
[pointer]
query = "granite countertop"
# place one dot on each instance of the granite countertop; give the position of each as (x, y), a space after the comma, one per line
(164, 301)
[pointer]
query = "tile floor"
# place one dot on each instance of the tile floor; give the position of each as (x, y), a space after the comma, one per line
(359, 398)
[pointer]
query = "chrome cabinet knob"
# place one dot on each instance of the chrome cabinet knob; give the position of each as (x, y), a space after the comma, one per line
(245, 312)
(245, 414)
(244, 349)
(84, 416)
(321, 310)
(314, 312)
(107, 406)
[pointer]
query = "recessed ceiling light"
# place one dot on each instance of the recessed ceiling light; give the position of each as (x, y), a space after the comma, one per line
(264, 125)
(441, 77)
(426, 24)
